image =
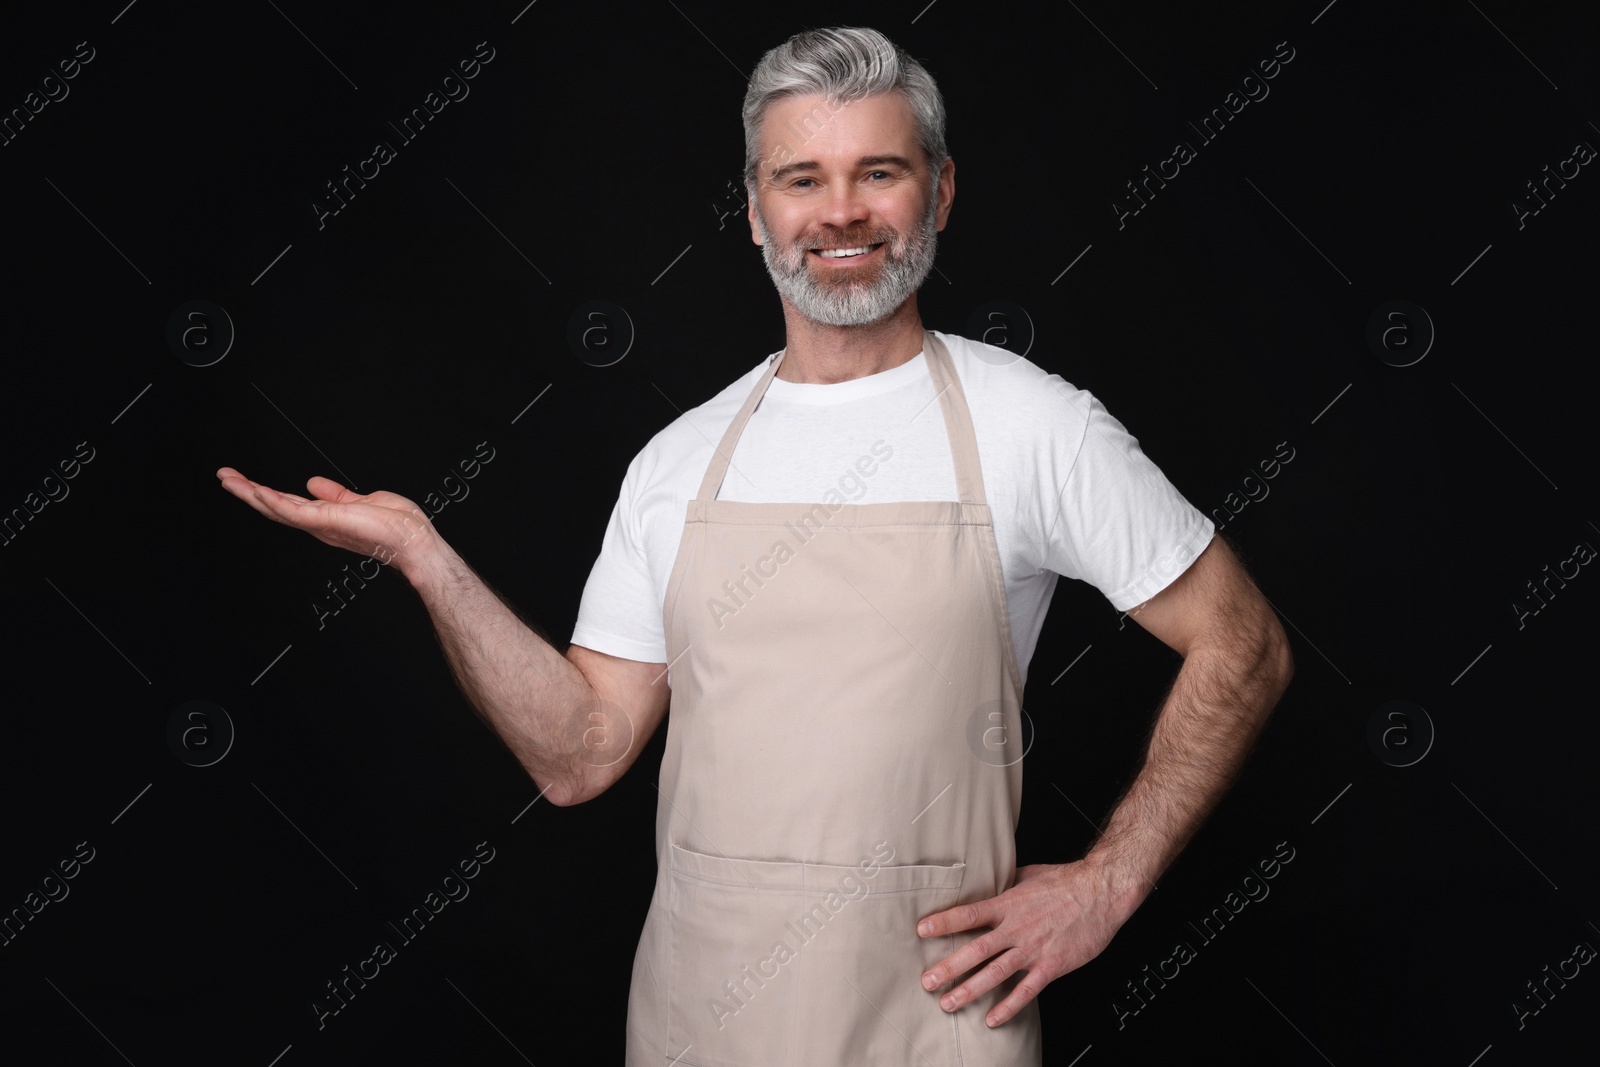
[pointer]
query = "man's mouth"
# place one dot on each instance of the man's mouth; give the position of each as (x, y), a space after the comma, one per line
(845, 253)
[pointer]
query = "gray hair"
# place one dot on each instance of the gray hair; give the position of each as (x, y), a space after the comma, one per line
(842, 64)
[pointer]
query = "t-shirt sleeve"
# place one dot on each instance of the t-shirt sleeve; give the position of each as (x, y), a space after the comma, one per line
(1120, 524)
(620, 612)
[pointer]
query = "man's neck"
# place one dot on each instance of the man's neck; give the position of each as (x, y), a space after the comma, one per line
(820, 354)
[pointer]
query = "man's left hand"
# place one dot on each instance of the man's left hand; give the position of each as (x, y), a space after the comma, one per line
(1056, 918)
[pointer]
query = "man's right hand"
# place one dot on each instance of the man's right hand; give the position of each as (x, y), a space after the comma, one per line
(383, 525)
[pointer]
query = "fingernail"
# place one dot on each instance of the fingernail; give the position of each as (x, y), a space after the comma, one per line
(929, 982)
(925, 928)
(948, 1003)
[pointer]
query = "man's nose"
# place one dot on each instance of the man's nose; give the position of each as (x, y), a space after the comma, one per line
(845, 205)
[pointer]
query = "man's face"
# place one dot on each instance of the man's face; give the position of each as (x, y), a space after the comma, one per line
(843, 209)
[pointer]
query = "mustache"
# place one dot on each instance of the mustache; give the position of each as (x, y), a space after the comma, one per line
(846, 240)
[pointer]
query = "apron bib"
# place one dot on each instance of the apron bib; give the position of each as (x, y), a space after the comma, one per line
(843, 756)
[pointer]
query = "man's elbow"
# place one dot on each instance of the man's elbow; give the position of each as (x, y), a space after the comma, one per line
(563, 789)
(1277, 658)
(562, 795)
(576, 786)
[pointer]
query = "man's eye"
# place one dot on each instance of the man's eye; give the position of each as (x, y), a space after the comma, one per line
(800, 183)
(879, 174)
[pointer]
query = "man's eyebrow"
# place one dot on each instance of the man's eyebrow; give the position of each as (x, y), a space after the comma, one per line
(865, 161)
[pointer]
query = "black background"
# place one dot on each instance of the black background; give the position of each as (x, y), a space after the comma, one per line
(1227, 316)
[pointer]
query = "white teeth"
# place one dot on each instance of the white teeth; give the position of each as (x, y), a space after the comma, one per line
(841, 253)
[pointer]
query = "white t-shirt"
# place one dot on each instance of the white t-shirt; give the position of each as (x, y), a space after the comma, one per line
(1068, 487)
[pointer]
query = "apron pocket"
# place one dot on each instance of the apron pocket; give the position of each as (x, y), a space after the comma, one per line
(777, 963)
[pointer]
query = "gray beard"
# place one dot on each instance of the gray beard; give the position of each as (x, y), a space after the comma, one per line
(854, 302)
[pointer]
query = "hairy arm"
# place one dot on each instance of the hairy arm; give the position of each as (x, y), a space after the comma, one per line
(1057, 917)
(1236, 665)
(575, 720)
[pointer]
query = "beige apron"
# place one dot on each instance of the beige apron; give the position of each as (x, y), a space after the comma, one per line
(843, 757)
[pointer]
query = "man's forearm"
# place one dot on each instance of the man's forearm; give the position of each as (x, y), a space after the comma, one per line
(1206, 728)
(529, 693)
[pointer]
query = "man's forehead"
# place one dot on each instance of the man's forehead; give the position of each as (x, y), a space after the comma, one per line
(807, 127)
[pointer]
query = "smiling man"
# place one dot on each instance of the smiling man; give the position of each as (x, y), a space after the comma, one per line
(873, 250)
(844, 657)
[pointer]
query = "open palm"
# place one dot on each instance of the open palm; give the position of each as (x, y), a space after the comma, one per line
(382, 524)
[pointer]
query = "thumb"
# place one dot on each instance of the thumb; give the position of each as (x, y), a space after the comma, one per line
(328, 489)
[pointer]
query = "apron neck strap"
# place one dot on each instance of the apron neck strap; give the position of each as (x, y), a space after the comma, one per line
(952, 402)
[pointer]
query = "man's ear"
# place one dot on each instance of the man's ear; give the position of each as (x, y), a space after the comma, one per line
(750, 212)
(946, 192)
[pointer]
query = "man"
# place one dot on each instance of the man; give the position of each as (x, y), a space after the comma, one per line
(840, 789)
